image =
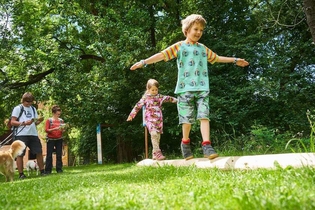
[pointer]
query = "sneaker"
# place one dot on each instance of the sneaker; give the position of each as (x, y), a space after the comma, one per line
(22, 176)
(60, 171)
(208, 152)
(43, 173)
(186, 151)
(158, 155)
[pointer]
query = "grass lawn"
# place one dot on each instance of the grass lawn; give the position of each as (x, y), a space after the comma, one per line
(127, 186)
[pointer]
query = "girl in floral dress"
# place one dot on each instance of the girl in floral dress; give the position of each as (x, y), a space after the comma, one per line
(153, 101)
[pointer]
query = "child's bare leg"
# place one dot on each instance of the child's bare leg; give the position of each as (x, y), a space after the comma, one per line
(156, 151)
(155, 140)
(186, 130)
(205, 129)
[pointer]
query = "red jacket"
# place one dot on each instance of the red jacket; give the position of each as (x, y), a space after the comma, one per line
(52, 123)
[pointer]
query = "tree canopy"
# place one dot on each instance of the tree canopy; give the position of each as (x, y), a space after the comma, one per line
(78, 53)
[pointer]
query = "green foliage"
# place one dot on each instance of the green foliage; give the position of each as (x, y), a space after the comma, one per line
(302, 144)
(260, 140)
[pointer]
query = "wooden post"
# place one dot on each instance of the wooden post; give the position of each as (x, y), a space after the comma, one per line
(99, 144)
(146, 142)
(145, 133)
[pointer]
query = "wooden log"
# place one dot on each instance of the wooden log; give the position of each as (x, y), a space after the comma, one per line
(270, 161)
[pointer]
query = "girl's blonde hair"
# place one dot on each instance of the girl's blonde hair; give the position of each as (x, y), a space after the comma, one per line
(190, 20)
(151, 83)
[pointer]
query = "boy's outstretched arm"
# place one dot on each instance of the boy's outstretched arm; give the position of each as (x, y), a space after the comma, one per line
(153, 59)
(237, 61)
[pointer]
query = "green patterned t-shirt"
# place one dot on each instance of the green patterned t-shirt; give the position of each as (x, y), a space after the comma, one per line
(192, 65)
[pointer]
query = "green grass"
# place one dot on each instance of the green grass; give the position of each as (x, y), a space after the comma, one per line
(126, 186)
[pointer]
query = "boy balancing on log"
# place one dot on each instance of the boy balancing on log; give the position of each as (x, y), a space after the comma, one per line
(192, 86)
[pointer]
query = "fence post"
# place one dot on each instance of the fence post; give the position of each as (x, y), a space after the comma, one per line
(99, 144)
(145, 133)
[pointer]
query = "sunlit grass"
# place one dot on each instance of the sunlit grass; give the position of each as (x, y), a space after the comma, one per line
(126, 186)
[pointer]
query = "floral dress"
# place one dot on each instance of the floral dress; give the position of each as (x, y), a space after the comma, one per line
(153, 110)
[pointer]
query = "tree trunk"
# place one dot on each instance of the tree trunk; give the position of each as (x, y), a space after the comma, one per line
(309, 9)
(124, 150)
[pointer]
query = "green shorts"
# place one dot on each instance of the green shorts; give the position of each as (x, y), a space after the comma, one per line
(192, 106)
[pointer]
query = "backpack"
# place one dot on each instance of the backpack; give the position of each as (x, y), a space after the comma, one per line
(51, 121)
(9, 126)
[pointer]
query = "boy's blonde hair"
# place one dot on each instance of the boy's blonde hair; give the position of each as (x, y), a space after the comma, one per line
(190, 20)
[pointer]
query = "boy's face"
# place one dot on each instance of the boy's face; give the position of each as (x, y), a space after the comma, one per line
(195, 32)
(27, 103)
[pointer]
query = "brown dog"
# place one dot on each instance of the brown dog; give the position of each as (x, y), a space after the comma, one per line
(7, 159)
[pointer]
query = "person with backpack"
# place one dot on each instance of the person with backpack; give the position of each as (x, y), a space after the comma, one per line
(24, 119)
(54, 128)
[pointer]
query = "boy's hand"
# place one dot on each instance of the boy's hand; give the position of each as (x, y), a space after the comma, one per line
(28, 122)
(136, 66)
(37, 120)
(129, 118)
(241, 62)
(40, 119)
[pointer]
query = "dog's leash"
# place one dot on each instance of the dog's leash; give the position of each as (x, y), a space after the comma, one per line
(9, 137)
(6, 140)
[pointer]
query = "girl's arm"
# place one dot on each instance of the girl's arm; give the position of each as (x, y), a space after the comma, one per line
(169, 99)
(136, 109)
(237, 61)
(153, 59)
(47, 126)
